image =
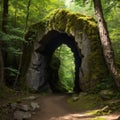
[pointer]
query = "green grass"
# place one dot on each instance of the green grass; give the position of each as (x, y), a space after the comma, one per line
(98, 118)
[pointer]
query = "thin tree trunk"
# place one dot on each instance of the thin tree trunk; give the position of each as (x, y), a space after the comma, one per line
(5, 16)
(1, 68)
(106, 43)
(4, 27)
(21, 56)
(27, 16)
(2, 44)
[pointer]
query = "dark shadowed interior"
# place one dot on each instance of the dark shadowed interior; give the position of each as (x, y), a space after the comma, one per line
(50, 42)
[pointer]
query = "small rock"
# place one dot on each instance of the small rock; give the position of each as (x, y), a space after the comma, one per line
(3, 106)
(82, 94)
(75, 99)
(24, 107)
(34, 105)
(31, 98)
(105, 109)
(106, 94)
(20, 115)
(13, 106)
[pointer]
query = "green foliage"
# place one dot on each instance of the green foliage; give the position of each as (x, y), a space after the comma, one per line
(15, 51)
(12, 42)
(113, 22)
(81, 6)
(106, 83)
(38, 10)
(12, 72)
(67, 67)
(111, 9)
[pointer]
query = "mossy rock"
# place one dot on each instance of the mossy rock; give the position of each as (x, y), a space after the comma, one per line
(76, 25)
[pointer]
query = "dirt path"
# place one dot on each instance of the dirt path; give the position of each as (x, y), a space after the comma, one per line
(55, 107)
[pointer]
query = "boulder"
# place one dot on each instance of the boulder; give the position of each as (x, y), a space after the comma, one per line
(24, 107)
(106, 94)
(21, 115)
(75, 99)
(13, 106)
(34, 106)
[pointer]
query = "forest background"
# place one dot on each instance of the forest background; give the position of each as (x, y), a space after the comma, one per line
(18, 16)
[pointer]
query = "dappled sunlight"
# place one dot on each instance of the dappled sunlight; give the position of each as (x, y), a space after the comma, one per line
(85, 116)
(76, 116)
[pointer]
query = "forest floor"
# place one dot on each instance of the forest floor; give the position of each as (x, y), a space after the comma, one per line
(65, 107)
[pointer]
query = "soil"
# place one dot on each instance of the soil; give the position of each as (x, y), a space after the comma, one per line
(56, 107)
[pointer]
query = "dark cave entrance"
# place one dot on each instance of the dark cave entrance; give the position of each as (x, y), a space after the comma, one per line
(48, 45)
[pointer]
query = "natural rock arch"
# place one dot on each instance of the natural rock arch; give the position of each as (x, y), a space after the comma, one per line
(38, 74)
(83, 30)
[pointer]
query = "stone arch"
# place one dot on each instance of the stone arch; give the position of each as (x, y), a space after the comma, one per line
(49, 43)
(83, 29)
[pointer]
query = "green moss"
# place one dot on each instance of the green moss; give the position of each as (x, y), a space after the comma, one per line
(63, 20)
(85, 102)
(5, 91)
(98, 118)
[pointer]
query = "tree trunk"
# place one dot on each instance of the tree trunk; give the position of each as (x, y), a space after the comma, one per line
(5, 16)
(1, 68)
(4, 29)
(27, 16)
(21, 56)
(106, 43)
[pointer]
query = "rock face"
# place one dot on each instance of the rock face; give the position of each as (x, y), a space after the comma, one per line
(37, 72)
(84, 41)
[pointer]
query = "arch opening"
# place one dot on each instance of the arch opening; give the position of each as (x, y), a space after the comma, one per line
(48, 45)
(62, 70)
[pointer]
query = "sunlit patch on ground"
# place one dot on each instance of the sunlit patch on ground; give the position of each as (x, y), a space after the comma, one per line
(85, 116)
(72, 117)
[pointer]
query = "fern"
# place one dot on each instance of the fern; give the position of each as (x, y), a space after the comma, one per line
(12, 71)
